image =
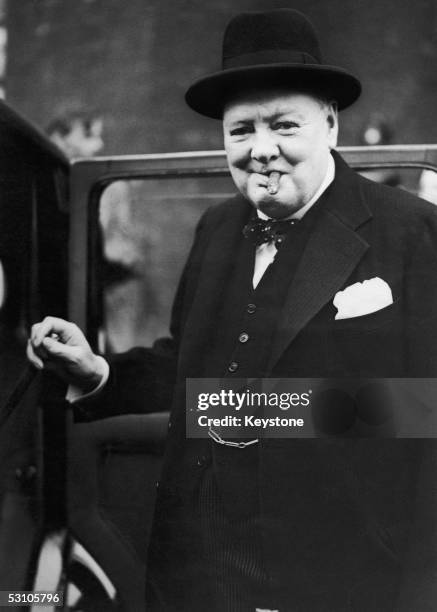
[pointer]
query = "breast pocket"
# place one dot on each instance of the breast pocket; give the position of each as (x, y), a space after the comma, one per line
(370, 322)
(370, 345)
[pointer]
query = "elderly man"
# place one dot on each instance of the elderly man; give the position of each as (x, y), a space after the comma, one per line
(311, 271)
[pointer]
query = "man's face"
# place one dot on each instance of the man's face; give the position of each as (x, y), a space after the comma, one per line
(287, 132)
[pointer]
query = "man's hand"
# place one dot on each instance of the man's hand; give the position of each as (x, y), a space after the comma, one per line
(60, 347)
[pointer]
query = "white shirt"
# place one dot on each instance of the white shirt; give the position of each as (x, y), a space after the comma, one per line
(265, 255)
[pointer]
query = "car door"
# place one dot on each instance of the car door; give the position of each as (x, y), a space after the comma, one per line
(33, 227)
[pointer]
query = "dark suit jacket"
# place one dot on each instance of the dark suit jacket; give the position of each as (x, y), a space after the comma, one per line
(340, 516)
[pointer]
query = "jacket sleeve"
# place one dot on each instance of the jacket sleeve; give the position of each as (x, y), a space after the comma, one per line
(142, 380)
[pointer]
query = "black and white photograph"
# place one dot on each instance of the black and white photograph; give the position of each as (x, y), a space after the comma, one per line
(218, 305)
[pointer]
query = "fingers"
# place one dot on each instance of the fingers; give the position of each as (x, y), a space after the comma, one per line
(53, 340)
(48, 326)
(67, 332)
(33, 357)
(56, 351)
(49, 350)
(60, 347)
(40, 330)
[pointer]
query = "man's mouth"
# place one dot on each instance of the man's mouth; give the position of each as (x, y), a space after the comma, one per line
(273, 182)
(270, 179)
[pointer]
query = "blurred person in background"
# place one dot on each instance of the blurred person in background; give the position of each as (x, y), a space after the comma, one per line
(77, 133)
(375, 133)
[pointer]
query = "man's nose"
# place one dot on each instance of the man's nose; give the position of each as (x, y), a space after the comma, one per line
(264, 147)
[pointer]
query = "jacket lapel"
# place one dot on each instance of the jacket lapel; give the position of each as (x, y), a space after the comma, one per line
(331, 254)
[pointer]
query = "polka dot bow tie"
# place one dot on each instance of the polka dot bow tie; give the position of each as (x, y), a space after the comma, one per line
(260, 231)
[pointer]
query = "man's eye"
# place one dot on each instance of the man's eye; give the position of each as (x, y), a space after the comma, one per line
(285, 125)
(240, 131)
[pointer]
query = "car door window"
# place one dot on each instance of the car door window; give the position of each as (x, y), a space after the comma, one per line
(146, 229)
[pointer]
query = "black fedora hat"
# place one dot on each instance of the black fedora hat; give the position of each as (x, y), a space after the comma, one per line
(272, 48)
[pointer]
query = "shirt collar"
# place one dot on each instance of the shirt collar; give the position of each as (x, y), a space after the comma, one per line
(329, 177)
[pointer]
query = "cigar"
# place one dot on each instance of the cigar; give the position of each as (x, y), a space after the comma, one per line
(273, 182)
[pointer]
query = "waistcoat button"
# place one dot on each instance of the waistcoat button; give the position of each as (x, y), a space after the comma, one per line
(244, 337)
(233, 366)
(251, 308)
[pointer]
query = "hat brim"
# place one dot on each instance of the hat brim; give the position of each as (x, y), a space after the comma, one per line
(209, 95)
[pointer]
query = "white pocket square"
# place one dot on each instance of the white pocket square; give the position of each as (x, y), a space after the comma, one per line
(362, 298)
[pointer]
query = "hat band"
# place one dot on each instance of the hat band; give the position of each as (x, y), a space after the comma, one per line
(269, 56)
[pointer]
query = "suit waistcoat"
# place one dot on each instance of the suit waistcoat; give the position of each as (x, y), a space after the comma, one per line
(247, 319)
